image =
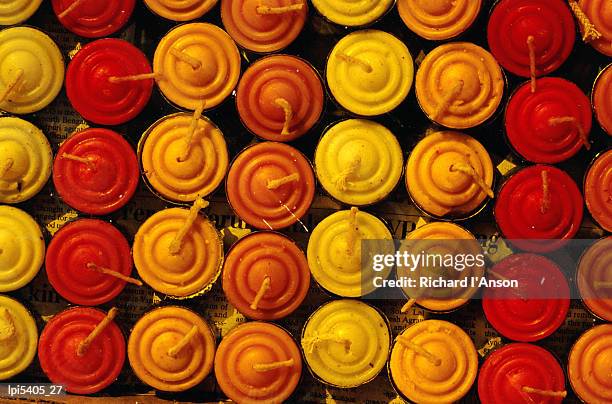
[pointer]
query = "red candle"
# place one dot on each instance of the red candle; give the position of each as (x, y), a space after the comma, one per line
(109, 81)
(538, 207)
(280, 98)
(82, 349)
(549, 22)
(598, 190)
(80, 259)
(532, 311)
(602, 99)
(266, 276)
(96, 171)
(522, 373)
(270, 185)
(550, 125)
(93, 18)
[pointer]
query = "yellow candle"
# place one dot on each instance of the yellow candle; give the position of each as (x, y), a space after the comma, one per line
(459, 85)
(334, 251)
(352, 13)
(171, 349)
(18, 337)
(31, 70)
(17, 11)
(369, 72)
(358, 162)
(438, 20)
(449, 174)
(180, 10)
(346, 343)
(22, 248)
(433, 361)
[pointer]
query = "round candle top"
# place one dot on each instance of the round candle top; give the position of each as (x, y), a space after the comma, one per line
(433, 361)
(264, 26)
(270, 185)
(90, 86)
(175, 172)
(94, 369)
(72, 254)
(96, 171)
(22, 248)
(266, 276)
(353, 13)
(191, 269)
(598, 190)
(512, 367)
(445, 173)
(549, 22)
(346, 343)
(438, 20)
(602, 99)
(280, 98)
(17, 11)
(590, 365)
(528, 318)
(594, 278)
(180, 10)
(18, 337)
(31, 70)
(334, 251)
(537, 204)
(599, 13)
(370, 72)
(25, 160)
(359, 162)
(91, 18)
(258, 362)
(199, 62)
(171, 348)
(459, 85)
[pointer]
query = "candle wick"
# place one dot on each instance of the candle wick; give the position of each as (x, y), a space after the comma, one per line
(351, 169)
(286, 107)
(448, 99)
(7, 325)
(468, 170)
(275, 184)
(574, 122)
(356, 61)
(135, 77)
(197, 114)
(264, 10)
(265, 367)
(589, 31)
(78, 159)
(185, 57)
(408, 305)
(12, 85)
(85, 344)
(532, 62)
(353, 231)
(548, 393)
(177, 243)
(8, 164)
(107, 271)
(545, 205)
(265, 286)
(70, 9)
(603, 284)
(309, 343)
(419, 350)
(176, 349)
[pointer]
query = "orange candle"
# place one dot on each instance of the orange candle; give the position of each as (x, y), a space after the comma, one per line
(182, 10)
(595, 279)
(601, 99)
(597, 190)
(438, 20)
(598, 32)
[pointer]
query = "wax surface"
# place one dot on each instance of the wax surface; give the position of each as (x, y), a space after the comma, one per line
(599, 13)
(17, 11)
(161, 156)
(438, 20)
(18, 337)
(357, 344)
(353, 13)
(380, 79)
(25, 160)
(595, 266)
(153, 336)
(366, 150)
(94, 18)
(602, 99)
(180, 10)
(598, 190)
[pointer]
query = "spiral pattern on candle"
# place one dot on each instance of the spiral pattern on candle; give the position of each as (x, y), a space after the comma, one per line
(95, 19)
(602, 99)
(598, 190)
(353, 13)
(17, 11)
(180, 10)
(599, 13)
(18, 351)
(101, 363)
(438, 20)
(594, 267)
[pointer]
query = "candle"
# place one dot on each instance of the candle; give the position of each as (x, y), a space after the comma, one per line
(91, 18)
(352, 13)
(521, 373)
(601, 96)
(199, 63)
(449, 174)
(334, 251)
(258, 363)
(538, 207)
(369, 72)
(438, 20)
(550, 125)
(534, 310)
(346, 343)
(96, 171)
(459, 85)
(171, 348)
(18, 335)
(180, 10)
(30, 79)
(25, 160)
(17, 11)
(266, 276)
(597, 190)
(270, 185)
(183, 156)
(83, 349)
(598, 28)
(280, 98)
(108, 81)
(433, 361)
(22, 248)
(178, 252)
(590, 365)
(358, 162)
(595, 280)
(264, 26)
